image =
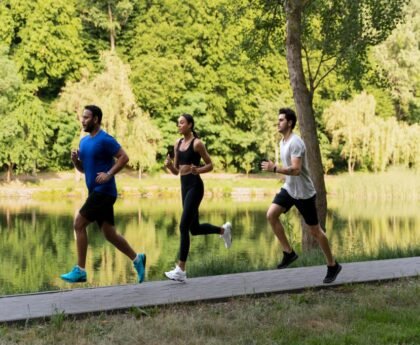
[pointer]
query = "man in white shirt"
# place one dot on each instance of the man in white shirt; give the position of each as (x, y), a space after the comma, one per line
(298, 191)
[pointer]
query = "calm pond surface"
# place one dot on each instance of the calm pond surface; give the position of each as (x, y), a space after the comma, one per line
(37, 242)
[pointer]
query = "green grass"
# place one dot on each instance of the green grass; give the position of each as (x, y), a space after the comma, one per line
(395, 184)
(48, 185)
(208, 266)
(375, 314)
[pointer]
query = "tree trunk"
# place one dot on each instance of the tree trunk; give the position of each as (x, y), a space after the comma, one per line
(9, 172)
(349, 162)
(111, 29)
(305, 113)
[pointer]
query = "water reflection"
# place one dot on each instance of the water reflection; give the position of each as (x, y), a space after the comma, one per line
(37, 242)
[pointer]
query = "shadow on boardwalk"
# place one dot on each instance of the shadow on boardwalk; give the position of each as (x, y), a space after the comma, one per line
(103, 299)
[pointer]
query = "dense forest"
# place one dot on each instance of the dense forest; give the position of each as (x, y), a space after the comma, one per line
(146, 62)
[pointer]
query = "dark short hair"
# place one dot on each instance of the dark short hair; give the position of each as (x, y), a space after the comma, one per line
(96, 111)
(290, 115)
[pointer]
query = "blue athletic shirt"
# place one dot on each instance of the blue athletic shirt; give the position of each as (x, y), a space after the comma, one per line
(97, 155)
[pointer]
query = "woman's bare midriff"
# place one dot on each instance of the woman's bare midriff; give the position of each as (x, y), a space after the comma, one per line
(185, 169)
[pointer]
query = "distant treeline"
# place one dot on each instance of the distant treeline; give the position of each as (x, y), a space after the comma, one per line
(146, 62)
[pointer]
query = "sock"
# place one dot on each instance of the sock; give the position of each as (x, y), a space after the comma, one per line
(82, 269)
(137, 258)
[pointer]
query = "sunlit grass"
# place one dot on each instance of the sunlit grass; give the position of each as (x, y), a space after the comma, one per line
(401, 184)
(380, 313)
(395, 184)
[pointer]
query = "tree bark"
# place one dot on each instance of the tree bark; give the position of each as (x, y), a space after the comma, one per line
(305, 113)
(9, 172)
(111, 29)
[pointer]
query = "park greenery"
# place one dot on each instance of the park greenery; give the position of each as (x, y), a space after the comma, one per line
(379, 313)
(145, 63)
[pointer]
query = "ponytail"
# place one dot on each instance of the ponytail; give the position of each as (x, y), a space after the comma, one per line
(190, 119)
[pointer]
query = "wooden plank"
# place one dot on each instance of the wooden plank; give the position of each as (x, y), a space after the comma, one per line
(103, 299)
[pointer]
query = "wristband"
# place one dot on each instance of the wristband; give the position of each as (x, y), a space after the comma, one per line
(108, 173)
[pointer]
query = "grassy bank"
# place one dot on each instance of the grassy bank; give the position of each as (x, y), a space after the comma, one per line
(391, 185)
(50, 185)
(395, 184)
(386, 313)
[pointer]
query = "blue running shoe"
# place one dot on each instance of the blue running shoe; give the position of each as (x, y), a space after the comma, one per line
(76, 275)
(140, 266)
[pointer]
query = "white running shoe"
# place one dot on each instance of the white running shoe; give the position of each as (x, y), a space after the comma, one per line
(227, 235)
(177, 274)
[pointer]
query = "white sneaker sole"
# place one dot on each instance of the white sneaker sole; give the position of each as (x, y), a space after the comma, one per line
(177, 279)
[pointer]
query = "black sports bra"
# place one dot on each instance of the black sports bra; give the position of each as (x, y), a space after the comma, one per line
(189, 156)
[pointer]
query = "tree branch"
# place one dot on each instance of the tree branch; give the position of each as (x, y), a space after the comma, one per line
(311, 79)
(319, 65)
(326, 74)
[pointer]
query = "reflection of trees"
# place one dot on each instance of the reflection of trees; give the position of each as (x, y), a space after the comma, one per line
(31, 250)
(37, 245)
(380, 235)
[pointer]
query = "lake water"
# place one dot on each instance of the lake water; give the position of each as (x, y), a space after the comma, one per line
(37, 242)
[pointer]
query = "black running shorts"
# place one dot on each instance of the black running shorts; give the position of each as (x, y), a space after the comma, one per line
(99, 207)
(306, 207)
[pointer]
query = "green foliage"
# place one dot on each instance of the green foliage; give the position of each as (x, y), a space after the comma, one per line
(367, 141)
(385, 106)
(64, 131)
(58, 318)
(335, 40)
(188, 57)
(397, 60)
(8, 24)
(9, 82)
(338, 33)
(105, 17)
(24, 122)
(44, 41)
(185, 57)
(23, 134)
(123, 119)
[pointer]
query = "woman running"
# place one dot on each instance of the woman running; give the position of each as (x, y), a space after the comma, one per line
(188, 153)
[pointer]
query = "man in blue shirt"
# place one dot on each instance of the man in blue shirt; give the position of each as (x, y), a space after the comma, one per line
(99, 157)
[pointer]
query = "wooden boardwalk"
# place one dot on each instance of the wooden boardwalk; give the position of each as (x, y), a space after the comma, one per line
(103, 299)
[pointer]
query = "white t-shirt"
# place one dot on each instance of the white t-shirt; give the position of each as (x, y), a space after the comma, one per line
(301, 186)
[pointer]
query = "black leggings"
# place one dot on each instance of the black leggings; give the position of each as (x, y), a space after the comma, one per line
(192, 189)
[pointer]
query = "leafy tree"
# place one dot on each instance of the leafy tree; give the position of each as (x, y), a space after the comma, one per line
(24, 123)
(44, 41)
(123, 119)
(9, 82)
(367, 141)
(322, 37)
(185, 57)
(397, 59)
(348, 124)
(65, 128)
(8, 24)
(106, 16)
